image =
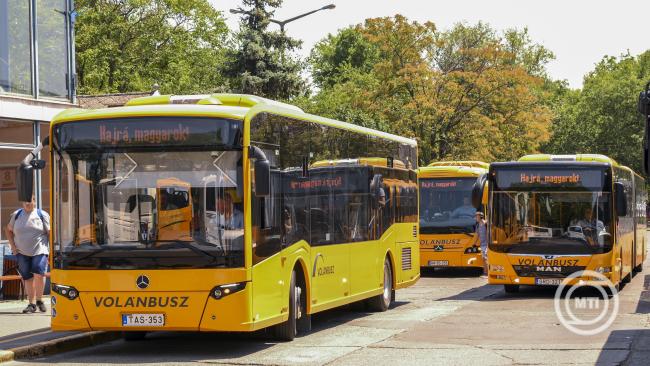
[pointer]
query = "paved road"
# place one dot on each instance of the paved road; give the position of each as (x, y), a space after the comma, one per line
(448, 318)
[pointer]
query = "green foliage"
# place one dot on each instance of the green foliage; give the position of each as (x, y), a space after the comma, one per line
(466, 93)
(261, 61)
(333, 57)
(129, 45)
(602, 116)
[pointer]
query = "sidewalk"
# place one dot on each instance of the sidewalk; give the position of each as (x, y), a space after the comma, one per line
(29, 335)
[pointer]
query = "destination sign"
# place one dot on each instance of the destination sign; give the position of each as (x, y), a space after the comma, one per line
(148, 132)
(438, 184)
(550, 178)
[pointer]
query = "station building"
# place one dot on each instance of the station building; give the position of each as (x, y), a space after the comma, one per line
(37, 81)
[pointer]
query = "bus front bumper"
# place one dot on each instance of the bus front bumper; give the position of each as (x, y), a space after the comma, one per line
(172, 310)
(437, 259)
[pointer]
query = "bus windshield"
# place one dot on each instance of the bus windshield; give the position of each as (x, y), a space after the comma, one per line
(551, 222)
(148, 206)
(446, 206)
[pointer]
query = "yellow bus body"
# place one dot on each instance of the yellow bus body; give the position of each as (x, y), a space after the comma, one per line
(334, 274)
(451, 250)
(618, 265)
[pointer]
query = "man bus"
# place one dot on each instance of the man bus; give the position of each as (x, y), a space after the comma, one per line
(554, 215)
(447, 213)
(312, 238)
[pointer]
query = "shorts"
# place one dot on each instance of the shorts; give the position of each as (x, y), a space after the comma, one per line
(484, 253)
(28, 266)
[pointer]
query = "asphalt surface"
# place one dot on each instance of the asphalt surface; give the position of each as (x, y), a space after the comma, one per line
(451, 317)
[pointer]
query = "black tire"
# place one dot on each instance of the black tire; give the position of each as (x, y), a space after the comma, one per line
(511, 289)
(134, 336)
(639, 268)
(384, 300)
(288, 330)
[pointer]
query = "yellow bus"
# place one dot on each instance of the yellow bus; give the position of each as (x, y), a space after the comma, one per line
(447, 213)
(554, 215)
(273, 237)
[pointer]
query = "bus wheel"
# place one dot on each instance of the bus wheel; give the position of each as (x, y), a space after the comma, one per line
(134, 336)
(382, 301)
(288, 330)
(639, 268)
(511, 289)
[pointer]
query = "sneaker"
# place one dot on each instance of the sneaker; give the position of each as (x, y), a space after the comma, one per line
(41, 306)
(31, 308)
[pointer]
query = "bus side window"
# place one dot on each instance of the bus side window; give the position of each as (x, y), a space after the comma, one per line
(266, 211)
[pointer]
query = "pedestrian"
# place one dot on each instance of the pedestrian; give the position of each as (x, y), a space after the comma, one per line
(482, 237)
(28, 232)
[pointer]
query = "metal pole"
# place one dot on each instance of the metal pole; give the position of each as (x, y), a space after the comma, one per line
(34, 47)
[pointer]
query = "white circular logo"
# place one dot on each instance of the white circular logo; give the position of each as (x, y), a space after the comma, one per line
(586, 323)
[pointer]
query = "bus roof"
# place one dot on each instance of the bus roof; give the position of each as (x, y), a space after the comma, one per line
(453, 169)
(467, 163)
(598, 158)
(232, 106)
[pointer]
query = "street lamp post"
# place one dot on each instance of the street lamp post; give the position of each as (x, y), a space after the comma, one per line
(282, 23)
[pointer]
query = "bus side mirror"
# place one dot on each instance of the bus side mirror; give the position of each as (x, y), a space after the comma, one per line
(262, 172)
(644, 109)
(477, 191)
(620, 199)
(25, 182)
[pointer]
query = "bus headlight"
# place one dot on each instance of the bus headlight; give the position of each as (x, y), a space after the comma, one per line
(607, 269)
(225, 290)
(496, 268)
(472, 250)
(67, 291)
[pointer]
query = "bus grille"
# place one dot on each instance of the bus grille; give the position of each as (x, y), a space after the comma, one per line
(546, 271)
(415, 231)
(406, 258)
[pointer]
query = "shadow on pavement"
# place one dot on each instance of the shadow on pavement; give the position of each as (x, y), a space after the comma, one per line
(626, 347)
(450, 272)
(643, 306)
(181, 347)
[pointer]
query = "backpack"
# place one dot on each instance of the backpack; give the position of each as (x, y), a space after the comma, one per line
(40, 215)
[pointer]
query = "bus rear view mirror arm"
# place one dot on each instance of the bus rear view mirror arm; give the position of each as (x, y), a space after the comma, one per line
(25, 174)
(620, 199)
(262, 172)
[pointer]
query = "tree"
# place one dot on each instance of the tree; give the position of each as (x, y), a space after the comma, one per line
(261, 61)
(465, 93)
(333, 57)
(129, 45)
(602, 116)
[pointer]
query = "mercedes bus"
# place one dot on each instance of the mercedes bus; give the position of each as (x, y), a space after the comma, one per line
(238, 221)
(447, 213)
(554, 215)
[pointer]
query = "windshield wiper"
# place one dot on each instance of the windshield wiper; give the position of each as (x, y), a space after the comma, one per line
(459, 230)
(183, 244)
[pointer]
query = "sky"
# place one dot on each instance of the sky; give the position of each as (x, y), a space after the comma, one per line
(578, 32)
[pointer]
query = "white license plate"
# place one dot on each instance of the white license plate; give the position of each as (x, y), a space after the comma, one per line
(548, 281)
(438, 263)
(143, 320)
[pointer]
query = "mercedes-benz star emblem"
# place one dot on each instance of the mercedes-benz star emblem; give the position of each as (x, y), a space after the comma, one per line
(142, 281)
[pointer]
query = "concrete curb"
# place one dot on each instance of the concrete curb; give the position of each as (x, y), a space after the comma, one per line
(59, 345)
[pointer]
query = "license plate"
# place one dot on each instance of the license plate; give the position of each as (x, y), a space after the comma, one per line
(143, 320)
(548, 281)
(438, 263)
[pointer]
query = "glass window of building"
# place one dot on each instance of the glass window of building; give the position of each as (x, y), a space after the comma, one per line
(15, 49)
(52, 48)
